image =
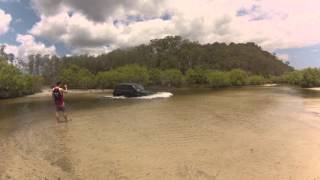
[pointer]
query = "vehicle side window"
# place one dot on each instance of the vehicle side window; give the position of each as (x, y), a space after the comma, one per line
(139, 87)
(130, 88)
(125, 88)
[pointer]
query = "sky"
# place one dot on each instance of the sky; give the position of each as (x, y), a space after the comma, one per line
(288, 28)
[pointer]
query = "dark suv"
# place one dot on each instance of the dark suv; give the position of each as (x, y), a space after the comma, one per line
(130, 90)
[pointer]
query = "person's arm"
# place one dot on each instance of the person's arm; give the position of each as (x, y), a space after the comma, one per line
(65, 88)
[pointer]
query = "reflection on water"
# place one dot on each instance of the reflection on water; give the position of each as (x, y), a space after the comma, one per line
(236, 133)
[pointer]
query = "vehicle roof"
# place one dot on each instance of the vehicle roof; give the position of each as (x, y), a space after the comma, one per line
(130, 84)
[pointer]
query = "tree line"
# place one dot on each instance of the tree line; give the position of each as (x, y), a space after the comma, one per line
(81, 78)
(306, 78)
(170, 62)
(172, 52)
(183, 54)
(14, 83)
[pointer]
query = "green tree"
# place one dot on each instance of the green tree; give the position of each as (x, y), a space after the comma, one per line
(108, 79)
(174, 52)
(14, 83)
(155, 76)
(238, 77)
(218, 79)
(129, 73)
(172, 78)
(134, 73)
(293, 78)
(310, 77)
(77, 77)
(86, 79)
(256, 80)
(2, 59)
(197, 76)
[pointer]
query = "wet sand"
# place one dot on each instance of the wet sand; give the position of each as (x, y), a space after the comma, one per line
(245, 133)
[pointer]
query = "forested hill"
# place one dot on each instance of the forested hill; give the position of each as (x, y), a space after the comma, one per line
(182, 54)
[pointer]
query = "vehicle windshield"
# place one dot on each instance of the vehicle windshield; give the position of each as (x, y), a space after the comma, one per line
(139, 87)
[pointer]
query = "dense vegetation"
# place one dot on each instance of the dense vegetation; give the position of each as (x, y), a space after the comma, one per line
(168, 62)
(171, 61)
(306, 78)
(14, 83)
(78, 77)
(173, 52)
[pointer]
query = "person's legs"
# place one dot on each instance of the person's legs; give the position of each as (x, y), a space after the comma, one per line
(61, 109)
(57, 116)
(65, 116)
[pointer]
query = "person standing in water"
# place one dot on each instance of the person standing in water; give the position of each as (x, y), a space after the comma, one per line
(57, 94)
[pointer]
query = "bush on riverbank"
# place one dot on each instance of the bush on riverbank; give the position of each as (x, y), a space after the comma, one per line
(306, 78)
(218, 79)
(197, 76)
(238, 77)
(13, 83)
(310, 77)
(130, 73)
(256, 80)
(77, 77)
(172, 78)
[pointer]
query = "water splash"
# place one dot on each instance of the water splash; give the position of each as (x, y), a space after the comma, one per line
(157, 95)
(152, 96)
(269, 85)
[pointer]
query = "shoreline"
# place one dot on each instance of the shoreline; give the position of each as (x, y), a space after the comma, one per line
(47, 92)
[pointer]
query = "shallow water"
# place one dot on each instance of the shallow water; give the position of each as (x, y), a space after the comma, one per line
(238, 133)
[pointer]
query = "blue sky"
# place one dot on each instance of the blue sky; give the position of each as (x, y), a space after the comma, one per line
(100, 26)
(303, 57)
(23, 18)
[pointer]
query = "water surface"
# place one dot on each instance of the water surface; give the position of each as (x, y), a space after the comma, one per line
(237, 133)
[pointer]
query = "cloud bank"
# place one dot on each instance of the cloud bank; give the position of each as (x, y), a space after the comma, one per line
(5, 20)
(98, 26)
(29, 46)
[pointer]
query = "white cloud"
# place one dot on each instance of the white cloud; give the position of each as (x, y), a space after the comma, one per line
(9, 0)
(47, 7)
(99, 10)
(94, 51)
(5, 20)
(75, 30)
(28, 46)
(11, 49)
(283, 57)
(101, 25)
